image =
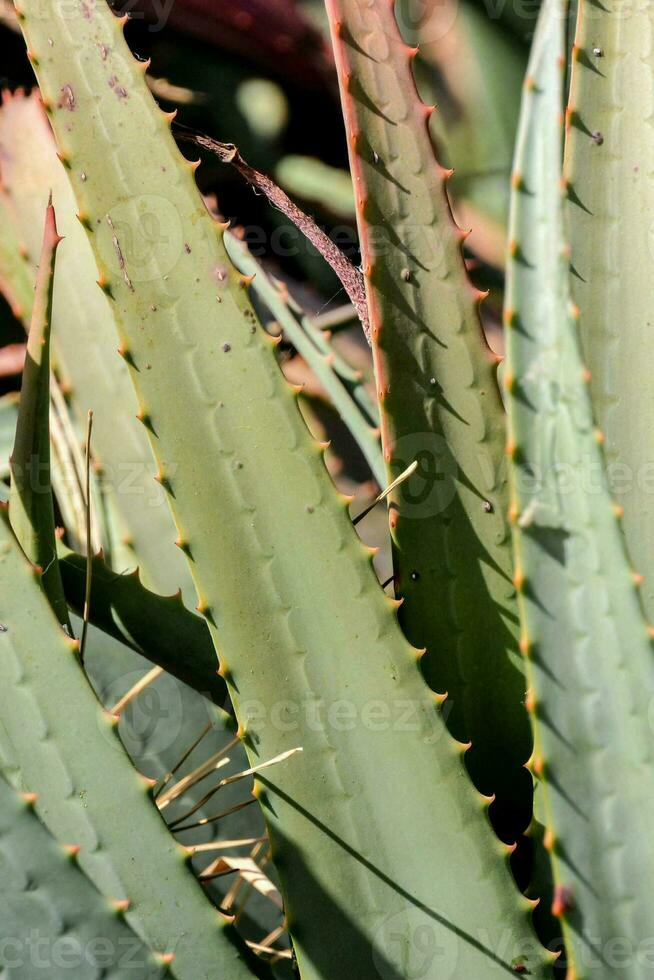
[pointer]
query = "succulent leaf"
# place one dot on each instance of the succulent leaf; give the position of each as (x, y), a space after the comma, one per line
(584, 636)
(94, 798)
(439, 402)
(31, 506)
(608, 153)
(51, 916)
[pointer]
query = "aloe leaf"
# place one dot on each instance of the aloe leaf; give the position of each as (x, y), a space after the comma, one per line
(305, 632)
(584, 636)
(611, 213)
(161, 628)
(89, 795)
(440, 404)
(31, 506)
(83, 319)
(472, 68)
(366, 437)
(51, 916)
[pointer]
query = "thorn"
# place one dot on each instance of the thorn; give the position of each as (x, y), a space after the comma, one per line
(599, 437)
(618, 511)
(29, 798)
(530, 701)
(72, 850)
(120, 905)
(548, 840)
(637, 579)
(184, 546)
(85, 222)
(524, 646)
(519, 580)
(105, 286)
(164, 482)
(246, 281)
(164, 959)
(146, 419)
(563, 901)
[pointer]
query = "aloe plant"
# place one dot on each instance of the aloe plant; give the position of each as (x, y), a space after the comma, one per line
(513, 658)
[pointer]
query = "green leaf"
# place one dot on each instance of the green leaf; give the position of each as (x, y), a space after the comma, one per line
(440, 404)
(31, 506)
(309, 642)
(588, 652)
(51, 917)
(610, 182)
(89, 795)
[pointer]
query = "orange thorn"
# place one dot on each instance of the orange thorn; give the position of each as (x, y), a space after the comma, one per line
(563, 901)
